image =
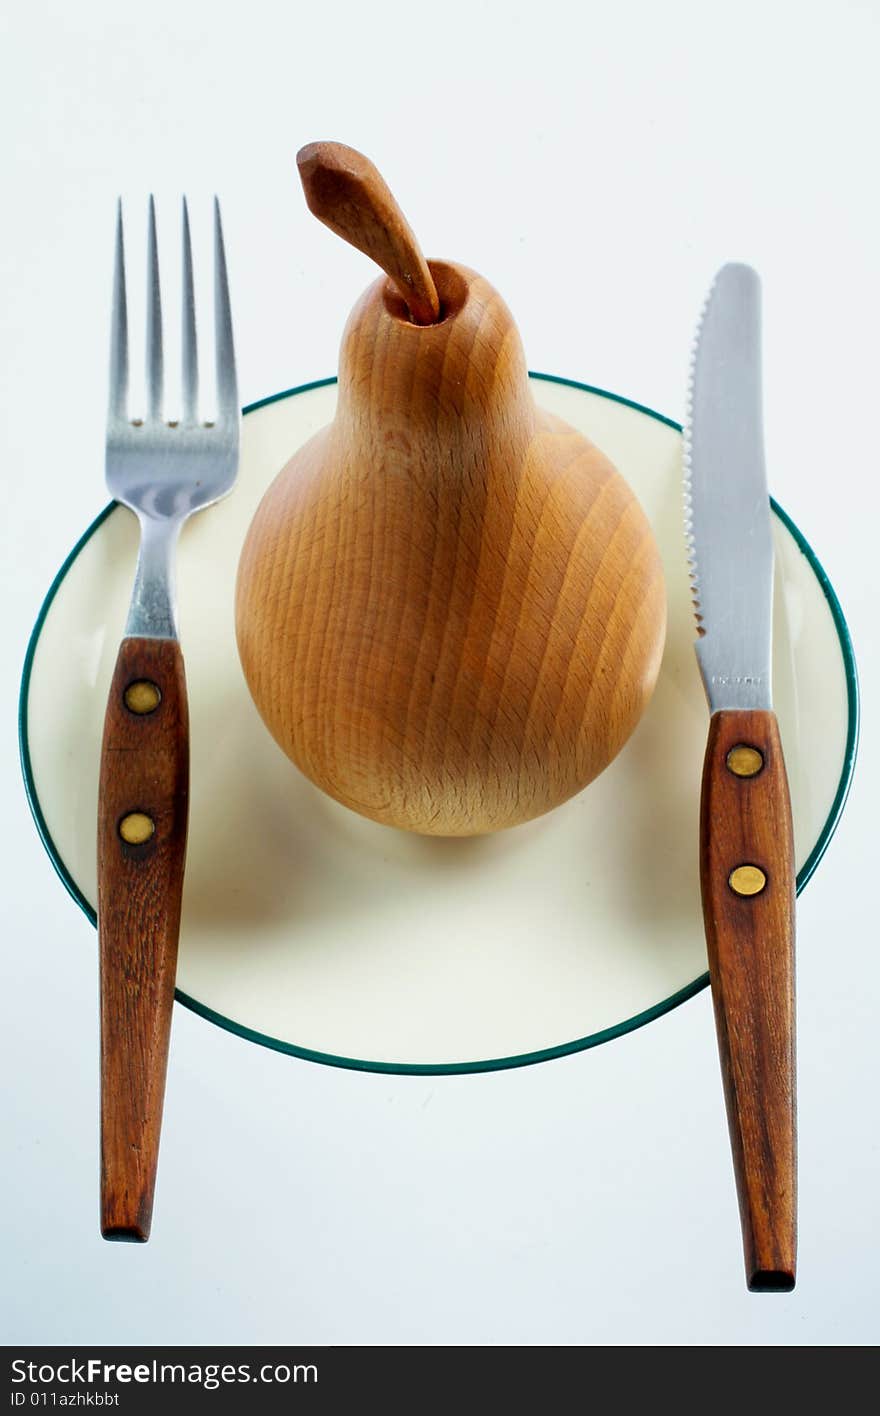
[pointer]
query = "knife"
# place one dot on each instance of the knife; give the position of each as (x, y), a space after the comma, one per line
(747, 872)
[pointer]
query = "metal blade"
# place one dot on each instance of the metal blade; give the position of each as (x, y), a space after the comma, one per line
(727, 509)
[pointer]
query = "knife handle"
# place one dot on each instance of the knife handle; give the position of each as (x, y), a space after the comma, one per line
(142, 821)
(748, 887)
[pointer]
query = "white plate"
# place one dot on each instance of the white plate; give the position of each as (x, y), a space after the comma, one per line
(312, 930)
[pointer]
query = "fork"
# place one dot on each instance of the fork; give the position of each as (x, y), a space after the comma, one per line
(163, 472)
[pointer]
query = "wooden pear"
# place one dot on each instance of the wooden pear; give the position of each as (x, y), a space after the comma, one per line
(450, 607)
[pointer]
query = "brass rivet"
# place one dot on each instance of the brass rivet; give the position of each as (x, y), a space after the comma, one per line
(136, 827)
(142, 696)
(747, 880)
(745, 761)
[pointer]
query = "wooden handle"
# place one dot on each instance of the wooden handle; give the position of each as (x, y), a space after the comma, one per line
(142, 817)
(345, 191)
(748, 885)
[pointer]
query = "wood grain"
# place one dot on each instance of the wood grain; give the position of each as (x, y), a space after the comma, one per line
(144, 769)
(345, 191)
(747, 821)
(450, 607)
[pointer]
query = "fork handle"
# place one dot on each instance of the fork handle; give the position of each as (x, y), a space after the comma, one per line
(748, 886)
(142, 821)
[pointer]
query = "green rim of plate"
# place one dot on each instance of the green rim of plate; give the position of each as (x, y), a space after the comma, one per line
(496, 1063)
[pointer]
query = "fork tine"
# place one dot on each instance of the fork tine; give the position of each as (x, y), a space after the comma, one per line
(119, 329)
(154, 321)
(190, 356)
(227, 384)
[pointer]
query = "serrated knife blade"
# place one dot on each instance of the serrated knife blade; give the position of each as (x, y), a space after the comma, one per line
(727, 508)
(747, 874)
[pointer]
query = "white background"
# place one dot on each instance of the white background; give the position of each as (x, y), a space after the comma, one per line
(597, 162)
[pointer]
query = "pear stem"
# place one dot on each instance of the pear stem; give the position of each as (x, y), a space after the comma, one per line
(345, 191)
